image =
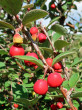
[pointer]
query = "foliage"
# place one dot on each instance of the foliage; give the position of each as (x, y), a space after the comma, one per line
(17, 79)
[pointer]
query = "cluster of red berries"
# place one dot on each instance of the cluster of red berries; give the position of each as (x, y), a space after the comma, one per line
(53, 80)
(36, 35)
(57, 66)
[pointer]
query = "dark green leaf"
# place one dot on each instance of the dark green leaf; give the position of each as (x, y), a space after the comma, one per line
(59, 44)
(3, 52)
(11, 6)
(34, 15)
(76, 61)
(19, 91)
(28, 6)
(52, 21)
(56, 36)
(47, 49)
(73, 80)
(27, 102)
(32, 59)
(6, 25)
(59, 29)
(77, 94)
(61, 56)
(2, 64)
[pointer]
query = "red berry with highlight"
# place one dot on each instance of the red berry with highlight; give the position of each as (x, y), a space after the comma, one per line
(49, 61)
(53, 6)
(41, 37)
(53, 107)
(57, 66)
(29, 63)
(33, 30)
(54, 80)
(16, 50)
(59, 105)
(16, 105)
(41, 87)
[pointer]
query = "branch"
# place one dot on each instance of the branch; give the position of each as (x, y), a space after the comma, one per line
(67, 97)
(43, 29)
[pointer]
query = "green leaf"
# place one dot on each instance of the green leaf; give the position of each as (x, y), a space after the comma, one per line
(27, 102)
(59, 44)
(61, 56)
(59, 29)
(3, 52)
(28, 6)
(11, 6)
(77, 94)
(73, 80)
(6, 25)
(56, 36)
(46, 49)
(19, 91)
(32, 59)
(2, 64)
(76, 61)
(34, 15)
(52, 21)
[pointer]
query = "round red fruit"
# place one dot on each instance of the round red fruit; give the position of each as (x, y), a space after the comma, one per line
(41, 37)
(53, 6)
(53, 107)
(28, 63)
(16, 50)
(59, 105)
(33, 30)
(49, 61)
(41, 87)
(59, 71)
(57, 66)
(16, 105)
(54, 80)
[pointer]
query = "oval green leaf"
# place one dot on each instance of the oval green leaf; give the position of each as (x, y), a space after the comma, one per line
(59, 44)
(76, 61)
(11, 6)
(73, 80)
(52, 21)
(32, 59)
(3, 52)
(34, 15)
(59, 29)
(77, 94)
(61, 56)
(46, 49)
(6, 25)
(28, 6)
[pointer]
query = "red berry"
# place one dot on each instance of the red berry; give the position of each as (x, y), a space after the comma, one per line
(60, 70)
(54, 79)
(53, 6)
(53, 107)
(41, 87)
(59, 105)
(35, 66)
(57, 66)
(60, 99)
(33, 30)
(41, 37)
(16, 50)
(49, 61)
(16, 105)
(28, 63)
